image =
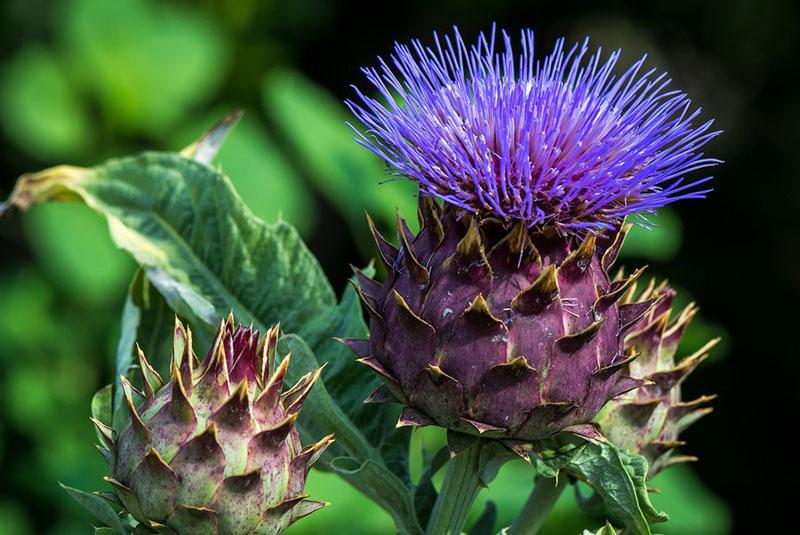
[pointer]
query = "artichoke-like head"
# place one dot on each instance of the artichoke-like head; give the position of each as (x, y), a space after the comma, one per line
(487, 327)
(214, 449)
(650, 419)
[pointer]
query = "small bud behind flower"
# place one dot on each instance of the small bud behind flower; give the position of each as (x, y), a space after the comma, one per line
(649, 420)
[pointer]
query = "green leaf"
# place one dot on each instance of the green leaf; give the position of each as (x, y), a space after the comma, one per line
(259, 171)
(345, 173)
(616, 476)
(147, 62)
(101, 406)
(485, 523)
(493, 456)
(636, 466)
(348, 382)
(39, 109)
(146, 321)
(98, 507)
(351, 456)
(385, 489)
(206, 254)
(550, 462)
(321, 414)
(199, 245)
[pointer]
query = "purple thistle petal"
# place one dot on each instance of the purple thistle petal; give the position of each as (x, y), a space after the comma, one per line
(559, 141)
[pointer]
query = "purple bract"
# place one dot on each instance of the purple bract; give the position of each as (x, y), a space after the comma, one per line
(560, 141)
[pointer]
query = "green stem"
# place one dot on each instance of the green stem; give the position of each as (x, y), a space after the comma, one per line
(459, 490)
(541, 501)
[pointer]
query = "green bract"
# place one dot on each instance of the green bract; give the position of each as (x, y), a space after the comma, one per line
(214, 449)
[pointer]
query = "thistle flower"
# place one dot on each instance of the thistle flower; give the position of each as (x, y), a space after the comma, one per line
(214, 449)
(650, 419)
(561, 141)
(499, 318)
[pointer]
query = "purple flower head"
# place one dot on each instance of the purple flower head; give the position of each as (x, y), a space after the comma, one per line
(558, 141)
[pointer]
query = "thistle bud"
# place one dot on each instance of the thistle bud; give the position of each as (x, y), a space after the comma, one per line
(214, 448)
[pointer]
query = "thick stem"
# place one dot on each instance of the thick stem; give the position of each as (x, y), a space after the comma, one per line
(459, 490)
(541, 501)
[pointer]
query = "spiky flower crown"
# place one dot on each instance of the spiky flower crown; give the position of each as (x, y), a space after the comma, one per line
(560, 141)
(214, 449)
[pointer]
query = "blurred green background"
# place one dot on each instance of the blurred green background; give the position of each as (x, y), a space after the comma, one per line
(82, 80)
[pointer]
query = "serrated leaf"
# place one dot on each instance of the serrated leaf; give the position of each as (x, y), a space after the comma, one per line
(636, 466)
(98, 507)
(206, 254)
(321, 415)
(617, 477)
(350, 383)
(364, 467)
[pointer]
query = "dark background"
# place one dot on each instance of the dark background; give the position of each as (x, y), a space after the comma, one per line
(737, 58)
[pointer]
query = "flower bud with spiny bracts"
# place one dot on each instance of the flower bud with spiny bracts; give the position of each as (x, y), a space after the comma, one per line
(499, 317)
(214, 450)
(489, 328)
(649, 420)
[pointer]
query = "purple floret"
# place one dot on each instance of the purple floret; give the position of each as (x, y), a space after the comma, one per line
(558, 141)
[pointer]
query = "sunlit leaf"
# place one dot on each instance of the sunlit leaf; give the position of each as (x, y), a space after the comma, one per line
(204, 251)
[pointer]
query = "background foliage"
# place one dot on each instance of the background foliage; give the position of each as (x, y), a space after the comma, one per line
(82, 80)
